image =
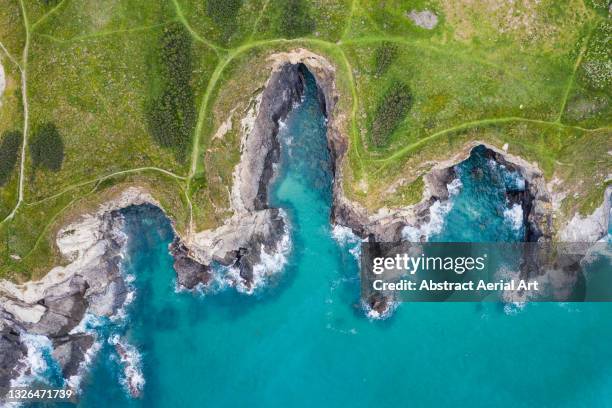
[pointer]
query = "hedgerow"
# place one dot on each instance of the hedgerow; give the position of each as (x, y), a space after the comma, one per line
(391, 111)
(47, 147)
(9, 150)
(171, 115)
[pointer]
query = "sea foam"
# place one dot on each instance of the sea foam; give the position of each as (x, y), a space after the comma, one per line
(132, 378)
(35, 364)
(346, 238)
(514, 216)
(437, 214)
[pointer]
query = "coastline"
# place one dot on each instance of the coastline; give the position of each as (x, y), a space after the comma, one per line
(92, 281)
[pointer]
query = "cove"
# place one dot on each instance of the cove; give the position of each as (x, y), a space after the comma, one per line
(305, 341)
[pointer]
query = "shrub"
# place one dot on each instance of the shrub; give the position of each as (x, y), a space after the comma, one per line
(47, 147)
(384, 57)
(171, 115)
(392, 109)
(9, 151)
(295, 19)
(224, 14)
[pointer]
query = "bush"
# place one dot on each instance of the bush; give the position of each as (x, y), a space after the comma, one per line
(224, 14)
(295, 20)
(171, 115)
(384, 57)
(9, 151)
(390, 112)
(47, 147)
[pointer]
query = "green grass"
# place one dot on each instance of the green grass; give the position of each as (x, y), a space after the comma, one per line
(137, 90)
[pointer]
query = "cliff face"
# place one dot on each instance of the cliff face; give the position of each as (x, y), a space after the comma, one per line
(55, 305)
(92, 282)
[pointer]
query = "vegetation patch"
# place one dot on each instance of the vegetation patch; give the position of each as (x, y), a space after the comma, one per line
(390, 113)
(9, 151)
(47, 147)
(385, 54)
(534, 75)
(295, 19)
(224, 13)
(171, 115)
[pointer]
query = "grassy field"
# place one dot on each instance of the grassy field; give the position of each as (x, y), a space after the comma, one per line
(109, 93)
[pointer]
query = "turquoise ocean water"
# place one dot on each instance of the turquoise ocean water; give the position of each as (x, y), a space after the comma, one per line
(304, 341)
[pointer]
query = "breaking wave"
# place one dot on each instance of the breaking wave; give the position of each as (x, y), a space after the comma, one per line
(514, 216)
(132, 378)
(437, 214)
(34, 366)
(346, 238)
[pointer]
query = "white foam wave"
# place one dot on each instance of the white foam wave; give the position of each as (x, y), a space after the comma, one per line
(33, 366)
(89, 324)
(514, 216)
(514, 308)
(437, 214)
(74, 382)
(132, 379)
(346, 238)
(375, 314)
(270, 263)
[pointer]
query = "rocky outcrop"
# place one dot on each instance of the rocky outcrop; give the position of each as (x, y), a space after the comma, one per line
(589, 228)
(69, 352)
(254, 229)
(189, 272)
(55, 305)
(260, 147)
(12, 352)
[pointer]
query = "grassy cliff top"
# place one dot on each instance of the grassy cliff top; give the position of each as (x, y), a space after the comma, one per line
(108, 93)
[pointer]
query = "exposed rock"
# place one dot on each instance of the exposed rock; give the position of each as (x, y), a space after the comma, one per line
(424, 19)
(252, 175)
(589, 228)
(63, 313)
(12, 351)
(69, 351)
(189, 272)
(54, 305)
(254, 228)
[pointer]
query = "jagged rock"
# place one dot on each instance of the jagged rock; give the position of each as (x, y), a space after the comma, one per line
(241, 240)
(69, 351)
(11, 352)
(592, 227)
(260, 148)
(63, 313)
(189, 272)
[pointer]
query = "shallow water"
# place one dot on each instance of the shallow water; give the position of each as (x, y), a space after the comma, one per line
(305, 341)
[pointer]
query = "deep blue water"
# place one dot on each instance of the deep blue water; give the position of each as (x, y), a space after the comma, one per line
(305, 341)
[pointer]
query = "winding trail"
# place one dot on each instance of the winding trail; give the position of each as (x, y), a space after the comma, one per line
(227, 55)
(473, 124)
(106, 177)
(26, 112)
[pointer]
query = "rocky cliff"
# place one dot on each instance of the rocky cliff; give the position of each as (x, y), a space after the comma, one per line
(92, 282)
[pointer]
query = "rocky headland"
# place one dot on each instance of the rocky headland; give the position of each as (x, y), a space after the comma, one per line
(92, 281)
